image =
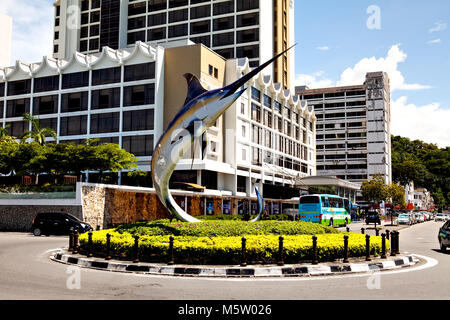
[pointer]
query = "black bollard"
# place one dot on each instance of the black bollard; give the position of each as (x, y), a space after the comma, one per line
(377, 232)
(171, 260)
(363, 230)
(392, 241)
(108, 246)
(348, 229)
(89, 251)
(368, 248)
(136, 249)
(75, 242)
(387, 234)
(345, 249)
(71, 239)
(243, 253)
(397, 242)
(383, 246)
(280, 252)
(314, 250)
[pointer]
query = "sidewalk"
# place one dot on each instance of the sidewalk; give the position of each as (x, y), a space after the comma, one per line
(356, 265)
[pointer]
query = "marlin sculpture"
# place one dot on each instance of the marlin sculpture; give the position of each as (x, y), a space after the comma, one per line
(260, 203)
(200, 111)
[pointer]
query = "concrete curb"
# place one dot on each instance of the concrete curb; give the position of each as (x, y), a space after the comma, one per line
(250, 271)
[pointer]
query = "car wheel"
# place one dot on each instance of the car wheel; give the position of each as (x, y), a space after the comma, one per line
(443, 248)
(37, 232)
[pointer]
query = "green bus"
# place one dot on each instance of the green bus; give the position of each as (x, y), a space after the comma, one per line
(326, 209)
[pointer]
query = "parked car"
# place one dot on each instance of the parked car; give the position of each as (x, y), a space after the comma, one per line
(404, 218)
(372, 217)
(57, 223)
(439, 217)
(444, 236)
(419, 217)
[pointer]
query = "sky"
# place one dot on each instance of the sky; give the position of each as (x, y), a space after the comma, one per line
(337, 43)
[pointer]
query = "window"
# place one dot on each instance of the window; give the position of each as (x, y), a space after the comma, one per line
(157, 19)
(256, 112)
(75, 80)
(200, 12)
(155, 5)
(139, 72)
(247, 5)
(156, 34)
(256, 94)
(223, 39)
(223, 7)
(226, 53)
(46, 84)
(105, 122)
(246, 20)
(137, 23)
(17, 128)
(200, 27)
(72, 102)
(248, 52)
(178, 30)
(16, 108)
(51, 123)
(133, 37)
(178, 15)
(19, 87)
(93, 44)
(242, 108)
(139, 95)
(140, 146)
(267, 101)
(94, 30)
(106, 76)
(2, 91)
(137, 8)
(45, 105)
(244, 155)
(244, 133)
(139, 120)
(107, 98)
(223, 23)
(70, 126)
(206, 40)
(250, 35)
(95, 17)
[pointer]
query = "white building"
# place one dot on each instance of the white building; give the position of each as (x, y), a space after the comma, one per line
(128, 96)
(5, 40)
(353, 128)
(255, 29)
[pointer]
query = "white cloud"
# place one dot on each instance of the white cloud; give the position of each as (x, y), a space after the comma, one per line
(434, 41)
(32, 36)
(315, 80)
(389, 64)
(439, 26)
(323, 48)
(428, 123)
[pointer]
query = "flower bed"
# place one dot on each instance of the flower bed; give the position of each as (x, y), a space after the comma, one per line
(261, 245)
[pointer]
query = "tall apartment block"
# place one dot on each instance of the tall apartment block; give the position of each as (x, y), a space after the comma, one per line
(5, 40)
(353, 128)
(255, 29)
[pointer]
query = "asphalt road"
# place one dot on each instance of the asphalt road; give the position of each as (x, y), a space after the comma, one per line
(26, 272)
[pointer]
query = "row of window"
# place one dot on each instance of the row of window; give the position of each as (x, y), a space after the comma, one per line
(333, 95)
(78, 101)
(350, 146)
(137, 72)
(342, 156)
(350, 135)
(137, 120)
(259, 157)
(218, 8)
(341, 115)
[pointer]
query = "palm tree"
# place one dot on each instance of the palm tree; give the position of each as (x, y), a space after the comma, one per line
(4, 136)
(37, 133)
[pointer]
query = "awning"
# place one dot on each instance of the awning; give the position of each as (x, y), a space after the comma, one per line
(192, 186)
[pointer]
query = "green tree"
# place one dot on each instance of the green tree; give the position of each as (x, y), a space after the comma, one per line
(374, 190)
(30, 159)
(37, 134)
(396, 194)
(110, 157)
(4, 135)
(7, 154)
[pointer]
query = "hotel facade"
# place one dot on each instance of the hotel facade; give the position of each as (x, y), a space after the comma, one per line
(255, 29)
(128, 96)
(353, 129)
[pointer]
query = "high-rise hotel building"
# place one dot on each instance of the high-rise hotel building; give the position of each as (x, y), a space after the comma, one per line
(255, 29)
(353, 128)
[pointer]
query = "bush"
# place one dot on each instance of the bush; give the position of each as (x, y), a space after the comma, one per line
(278, 217)
(227, 250)
(224, 228)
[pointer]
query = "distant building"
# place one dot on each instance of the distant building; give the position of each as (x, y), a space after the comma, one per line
(423, 199)
(255, 29)
(409, 193)
(353, 128)
(5, 40)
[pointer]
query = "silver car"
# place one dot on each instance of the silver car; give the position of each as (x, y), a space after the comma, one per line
(440, 217)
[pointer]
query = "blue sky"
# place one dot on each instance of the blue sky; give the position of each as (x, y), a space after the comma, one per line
(335, 47)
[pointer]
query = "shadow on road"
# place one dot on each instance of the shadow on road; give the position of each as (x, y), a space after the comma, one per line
(439, 251)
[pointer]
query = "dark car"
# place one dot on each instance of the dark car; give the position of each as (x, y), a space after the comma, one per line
(57, 223)
(372, 217)
(444, 236)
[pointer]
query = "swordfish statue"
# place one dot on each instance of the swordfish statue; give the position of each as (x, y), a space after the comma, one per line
(200, 111)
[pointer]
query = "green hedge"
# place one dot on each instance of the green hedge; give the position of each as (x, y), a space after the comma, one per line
(225, 250)
(277, 217)
(225, 228)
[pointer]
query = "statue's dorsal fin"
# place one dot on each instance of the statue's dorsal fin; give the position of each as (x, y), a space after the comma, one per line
(194, 87)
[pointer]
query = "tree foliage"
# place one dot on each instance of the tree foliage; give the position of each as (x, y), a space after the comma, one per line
(374, 190)
(425, 164)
